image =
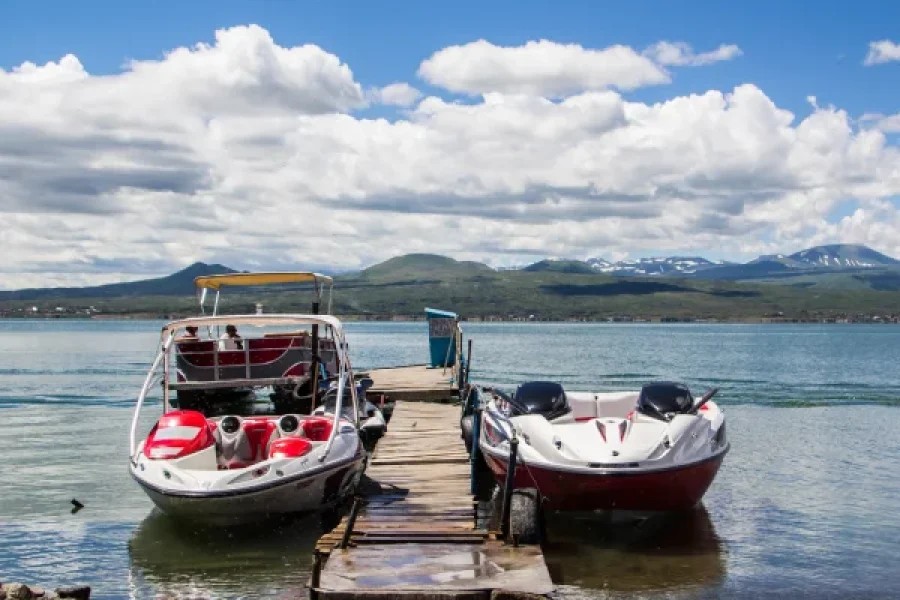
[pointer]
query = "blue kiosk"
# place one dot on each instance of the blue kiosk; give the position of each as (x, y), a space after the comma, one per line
(443, 330)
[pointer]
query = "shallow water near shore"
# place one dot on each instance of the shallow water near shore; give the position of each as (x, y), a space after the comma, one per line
(805, 504)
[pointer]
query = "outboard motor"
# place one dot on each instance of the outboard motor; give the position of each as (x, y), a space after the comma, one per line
(665, 399)
(545, 398)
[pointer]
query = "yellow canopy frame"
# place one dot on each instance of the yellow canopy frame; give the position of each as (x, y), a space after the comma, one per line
(216, 282)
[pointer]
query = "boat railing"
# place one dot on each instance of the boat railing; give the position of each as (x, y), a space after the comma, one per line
(499, 418)
(152, 375)
(270, 359)
(253, 372)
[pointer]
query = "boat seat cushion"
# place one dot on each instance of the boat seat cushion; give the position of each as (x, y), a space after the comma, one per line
(289, 447)
(178, 433)
(317, 429)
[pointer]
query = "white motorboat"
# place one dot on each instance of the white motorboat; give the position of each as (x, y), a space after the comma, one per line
(656, 450)
(218, 453)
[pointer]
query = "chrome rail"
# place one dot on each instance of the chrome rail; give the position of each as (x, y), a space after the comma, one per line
(148, 383)
(499, 419)
(344, 371)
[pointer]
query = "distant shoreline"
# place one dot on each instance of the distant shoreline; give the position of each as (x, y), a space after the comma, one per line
(479, 320)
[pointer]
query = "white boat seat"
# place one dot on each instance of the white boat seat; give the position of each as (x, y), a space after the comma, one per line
(236, 449)
(588, 405)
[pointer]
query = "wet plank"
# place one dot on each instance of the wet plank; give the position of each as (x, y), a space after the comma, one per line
(437, 567)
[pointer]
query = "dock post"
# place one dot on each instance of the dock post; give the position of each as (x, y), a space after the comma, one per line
(351, 521)
(316, 574)
(508, 488)
(476, 436)
(468, 361)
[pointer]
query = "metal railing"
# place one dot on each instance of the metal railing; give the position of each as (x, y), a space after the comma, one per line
(168, 339)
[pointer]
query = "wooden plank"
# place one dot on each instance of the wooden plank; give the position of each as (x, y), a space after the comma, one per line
(417, 537)
(437, 567)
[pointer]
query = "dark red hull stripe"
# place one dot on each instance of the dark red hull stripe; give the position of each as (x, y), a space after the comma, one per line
(669, 490)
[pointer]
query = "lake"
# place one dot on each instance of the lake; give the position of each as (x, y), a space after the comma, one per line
(806, 503)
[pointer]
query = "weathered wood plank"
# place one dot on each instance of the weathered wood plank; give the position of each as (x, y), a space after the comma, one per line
(418, 537)
(437, 567)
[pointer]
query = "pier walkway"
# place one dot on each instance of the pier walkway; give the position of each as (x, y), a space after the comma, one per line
(418, 533)
(416, 382)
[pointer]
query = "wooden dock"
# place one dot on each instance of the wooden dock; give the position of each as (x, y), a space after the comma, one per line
(417, 382)
(418, 534)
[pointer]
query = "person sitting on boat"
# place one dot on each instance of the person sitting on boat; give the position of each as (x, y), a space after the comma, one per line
(191, 334)
(230, 340)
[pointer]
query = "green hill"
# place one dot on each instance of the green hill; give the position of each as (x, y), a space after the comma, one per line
(403, 286)
(561, 266)
(423, 267)
(177, 284)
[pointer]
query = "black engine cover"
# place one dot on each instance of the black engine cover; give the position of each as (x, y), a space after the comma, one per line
(662, 397)
(545, 398)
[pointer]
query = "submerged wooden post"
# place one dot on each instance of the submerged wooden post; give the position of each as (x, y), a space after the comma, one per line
(508, 488)
(316, 574)
(351, 521)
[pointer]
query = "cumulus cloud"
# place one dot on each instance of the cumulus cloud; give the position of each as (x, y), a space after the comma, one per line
(680, 54)
(881, 52)
(396, 94)
(250, 154)
(887, 124)
(542, 68)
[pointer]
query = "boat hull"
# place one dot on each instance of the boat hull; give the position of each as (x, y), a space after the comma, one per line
(672, 489)
(303, 494)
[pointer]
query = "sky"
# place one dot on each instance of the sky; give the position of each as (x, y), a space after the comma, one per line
(137, 138)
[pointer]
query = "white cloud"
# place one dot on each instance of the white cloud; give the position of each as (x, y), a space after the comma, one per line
(247, 153)
(396, 94)
(887, 124)
(541, 68)
(882, 51)
(680, 54)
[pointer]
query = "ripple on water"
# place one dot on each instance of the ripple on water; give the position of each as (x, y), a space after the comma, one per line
(805, 503)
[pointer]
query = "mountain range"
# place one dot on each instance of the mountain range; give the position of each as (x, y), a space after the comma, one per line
(847, 280)
(820, 260)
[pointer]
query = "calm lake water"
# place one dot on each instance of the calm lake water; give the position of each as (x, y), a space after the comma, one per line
(806, 504)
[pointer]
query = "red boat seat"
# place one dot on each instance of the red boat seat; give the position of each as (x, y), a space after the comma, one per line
(289, 447)
(317, 429)
(178, 433)
(260, 433)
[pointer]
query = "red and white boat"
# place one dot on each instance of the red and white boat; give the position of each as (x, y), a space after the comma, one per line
(658, 449)
(220, 453)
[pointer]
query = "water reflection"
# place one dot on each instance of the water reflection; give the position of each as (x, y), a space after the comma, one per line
(173, 559)
(662, 553)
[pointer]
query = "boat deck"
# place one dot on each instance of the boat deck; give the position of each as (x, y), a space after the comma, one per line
(417, 534)
(417, 382)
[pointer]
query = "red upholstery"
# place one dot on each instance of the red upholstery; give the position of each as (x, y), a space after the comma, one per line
(261, 351)
(297, 370)
(258, 431)
(289, 447)
(317, 429)
(178, 433)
